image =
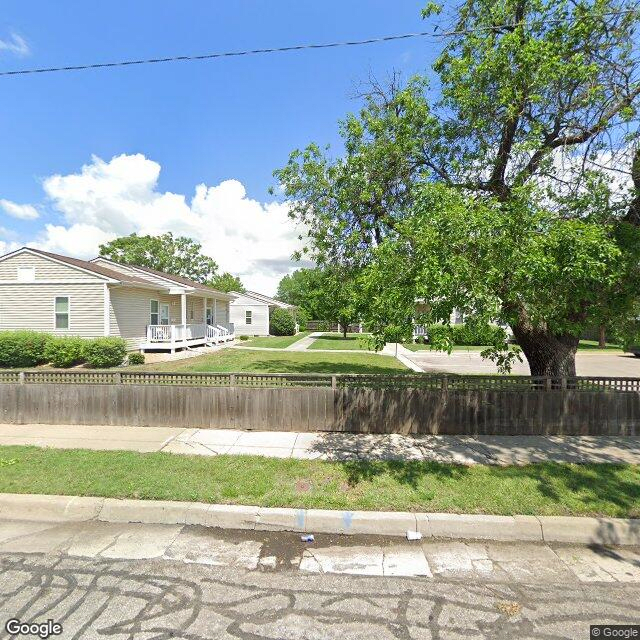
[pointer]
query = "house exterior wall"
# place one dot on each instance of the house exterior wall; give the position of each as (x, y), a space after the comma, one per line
(45, 269)
(260, 317)
(31, 306)
(130, 312)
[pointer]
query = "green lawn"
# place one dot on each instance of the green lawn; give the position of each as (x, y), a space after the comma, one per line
(337, 342)
(543, 489)
(592, 345)
(246, 360)
(276, 342)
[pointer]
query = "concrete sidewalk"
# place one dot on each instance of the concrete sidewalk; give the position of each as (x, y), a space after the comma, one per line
(494, 450)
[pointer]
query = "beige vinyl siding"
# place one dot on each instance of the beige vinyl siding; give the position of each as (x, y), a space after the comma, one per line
(130, 312)
(31, 306)
(259, 321)
(45, 269)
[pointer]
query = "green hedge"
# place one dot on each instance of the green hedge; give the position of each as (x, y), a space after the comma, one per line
(281, 323)
(23, 348)
(466, 335)
(136, 358)
(104, 352)
(65, 351)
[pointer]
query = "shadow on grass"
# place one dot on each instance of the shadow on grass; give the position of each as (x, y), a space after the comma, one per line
(318, 365)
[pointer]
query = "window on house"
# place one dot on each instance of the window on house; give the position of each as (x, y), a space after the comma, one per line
(247, 317)
(154, 316)
(62, 312)
(26, 274)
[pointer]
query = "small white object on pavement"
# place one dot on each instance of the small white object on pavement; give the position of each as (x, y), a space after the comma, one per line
(413, 535)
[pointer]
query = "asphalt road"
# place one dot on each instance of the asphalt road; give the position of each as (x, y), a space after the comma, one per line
(144, 582)
(157, 599)
(615, 365)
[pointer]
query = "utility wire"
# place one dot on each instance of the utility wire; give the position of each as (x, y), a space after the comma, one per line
(299, 47)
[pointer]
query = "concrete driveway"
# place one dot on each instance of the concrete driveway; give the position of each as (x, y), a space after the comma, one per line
(615, 365)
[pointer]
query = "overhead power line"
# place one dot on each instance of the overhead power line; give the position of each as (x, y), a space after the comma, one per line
(298, 47)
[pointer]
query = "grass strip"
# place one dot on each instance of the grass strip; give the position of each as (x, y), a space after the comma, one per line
(537, 489)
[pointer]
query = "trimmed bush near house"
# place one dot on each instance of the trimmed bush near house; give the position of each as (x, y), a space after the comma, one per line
(465, 334)
(65, 351)
(23, 348)
(281, 323)
(244, 337)
(101, 353)
(136, 358)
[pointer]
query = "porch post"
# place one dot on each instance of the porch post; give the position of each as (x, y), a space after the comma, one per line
(215, 311)
(183, 309)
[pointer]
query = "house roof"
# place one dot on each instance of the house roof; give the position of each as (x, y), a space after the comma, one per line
(187, 282)
(266, 299)
(84, 264)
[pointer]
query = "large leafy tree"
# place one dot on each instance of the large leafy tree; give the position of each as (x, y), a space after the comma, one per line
(515, 194)
(303, 289)
(180, 256)
(328, 293)
(227, 282)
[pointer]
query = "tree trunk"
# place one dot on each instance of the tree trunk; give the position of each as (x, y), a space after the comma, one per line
(602, 337)
(548, 354)
(345, 327)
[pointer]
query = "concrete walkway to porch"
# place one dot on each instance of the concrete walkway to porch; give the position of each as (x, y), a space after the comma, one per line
(494, 450)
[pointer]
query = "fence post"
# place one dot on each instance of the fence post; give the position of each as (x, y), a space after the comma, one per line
(334, 382)
(117, 377)
(445, 383)
(232, 379)
(547, 384)
(563, 383)
(21, 377)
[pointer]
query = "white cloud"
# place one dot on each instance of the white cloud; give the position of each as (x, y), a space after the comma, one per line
(22, 211)
(104, 200)
(15, 44)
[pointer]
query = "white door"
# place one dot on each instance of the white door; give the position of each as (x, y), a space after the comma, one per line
(164, 314)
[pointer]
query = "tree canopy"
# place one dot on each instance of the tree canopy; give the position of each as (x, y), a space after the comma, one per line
(227, 282)
(179, 256)
(511, 195)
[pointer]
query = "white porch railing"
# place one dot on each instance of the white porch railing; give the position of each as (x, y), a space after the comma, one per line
(175, 332)
(419, 331)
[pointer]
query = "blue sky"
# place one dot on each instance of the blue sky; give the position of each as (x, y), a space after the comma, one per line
(223, 124)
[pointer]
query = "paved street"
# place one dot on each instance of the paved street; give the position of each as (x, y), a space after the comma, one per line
(499, 450)
(615, 365)
(157, 581)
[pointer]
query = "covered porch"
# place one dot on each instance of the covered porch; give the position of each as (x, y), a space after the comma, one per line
(187, 320)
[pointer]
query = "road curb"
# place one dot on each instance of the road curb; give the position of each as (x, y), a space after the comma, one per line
(519, 528)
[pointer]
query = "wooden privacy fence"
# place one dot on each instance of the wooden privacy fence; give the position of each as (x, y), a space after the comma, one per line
(419, 404)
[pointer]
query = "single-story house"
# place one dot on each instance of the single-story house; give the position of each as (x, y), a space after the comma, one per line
(150, 309)
(250, 312)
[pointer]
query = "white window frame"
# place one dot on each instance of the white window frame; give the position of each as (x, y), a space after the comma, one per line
(31, 277)
(152, 313)
(248, 316)
(55, 313)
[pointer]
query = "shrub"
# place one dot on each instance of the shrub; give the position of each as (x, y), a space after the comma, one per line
(136, 358)
(302, 317)
(244, 337)
(101, 353)
(23, 348)
(281, 323)
(466, 334)
(65, 351)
